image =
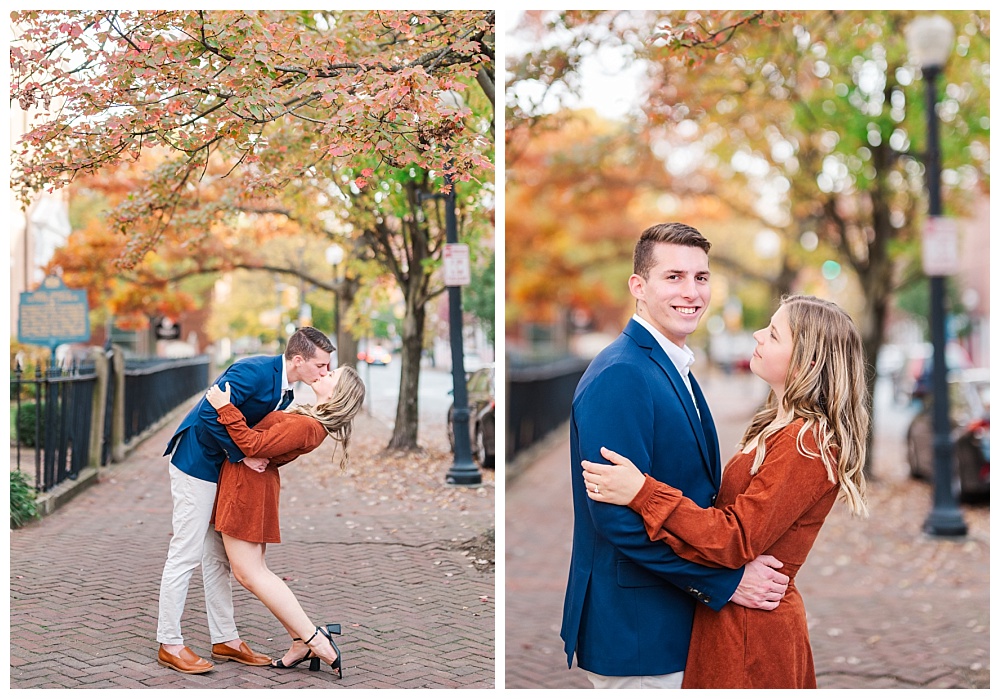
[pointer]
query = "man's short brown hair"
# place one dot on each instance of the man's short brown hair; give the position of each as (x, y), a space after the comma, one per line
(305, 341)
(672, 233)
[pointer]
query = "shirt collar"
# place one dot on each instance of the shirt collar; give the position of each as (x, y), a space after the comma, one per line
(681, 357)
(284, 376)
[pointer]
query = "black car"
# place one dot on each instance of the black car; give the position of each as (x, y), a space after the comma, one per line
(481, 388)
(969, 404)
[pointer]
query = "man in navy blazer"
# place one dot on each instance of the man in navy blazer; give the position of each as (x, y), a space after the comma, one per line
(629, 601)
(197, 451)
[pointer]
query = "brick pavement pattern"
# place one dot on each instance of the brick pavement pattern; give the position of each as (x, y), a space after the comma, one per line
(380, 550)
(888, 606)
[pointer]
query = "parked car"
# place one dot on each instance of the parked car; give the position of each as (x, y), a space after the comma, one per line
(912, 380)
(481, 388)
(376, 356)
(969, 405)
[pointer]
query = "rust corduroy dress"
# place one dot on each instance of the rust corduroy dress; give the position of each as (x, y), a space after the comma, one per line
(778, 511)
(246, 502)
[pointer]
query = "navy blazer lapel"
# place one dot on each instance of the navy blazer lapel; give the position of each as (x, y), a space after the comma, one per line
(276, 385)
(711, 435)
(643, 338)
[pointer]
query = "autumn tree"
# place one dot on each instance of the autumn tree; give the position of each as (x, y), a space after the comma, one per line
(832, 110)
(818, 114)
(580, 188)
(571, 200)
(341, 100)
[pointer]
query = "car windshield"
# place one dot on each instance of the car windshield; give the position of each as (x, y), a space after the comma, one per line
(982, 388)
(481, 381)
(970, 400)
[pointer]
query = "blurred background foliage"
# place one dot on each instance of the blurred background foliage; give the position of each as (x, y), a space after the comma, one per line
(792, 140)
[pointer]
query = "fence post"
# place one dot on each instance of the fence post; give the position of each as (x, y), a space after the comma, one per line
(118, 408)
(98, 406)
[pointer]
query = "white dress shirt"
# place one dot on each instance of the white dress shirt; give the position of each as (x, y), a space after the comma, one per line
(681, 357)
(285, 386)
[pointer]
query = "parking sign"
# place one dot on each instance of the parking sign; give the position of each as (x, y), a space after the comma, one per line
(456, 265)
(940, 247)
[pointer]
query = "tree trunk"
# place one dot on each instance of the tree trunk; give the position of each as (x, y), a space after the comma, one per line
(404, 433)
(877, 285)
(347, 343)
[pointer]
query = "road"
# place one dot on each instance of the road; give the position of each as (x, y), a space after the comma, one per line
(433, 396)
(433, 393)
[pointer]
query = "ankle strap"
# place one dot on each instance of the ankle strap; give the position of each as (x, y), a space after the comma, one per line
(313, 636)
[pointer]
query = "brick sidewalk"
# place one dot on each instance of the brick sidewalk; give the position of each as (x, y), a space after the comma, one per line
(378, 548)
(888, 606)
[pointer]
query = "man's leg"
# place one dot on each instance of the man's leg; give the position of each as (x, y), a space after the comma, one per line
(192, 500)
(189, 521)
(215, 573)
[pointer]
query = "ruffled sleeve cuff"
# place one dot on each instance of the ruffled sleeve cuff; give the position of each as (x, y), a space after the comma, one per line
(655, 501)
(229, 413)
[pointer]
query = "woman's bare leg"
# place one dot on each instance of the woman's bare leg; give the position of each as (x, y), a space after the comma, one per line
(251, 571)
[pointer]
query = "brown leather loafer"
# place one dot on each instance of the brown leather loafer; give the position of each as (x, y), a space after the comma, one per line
(188, 662)
(220, 651)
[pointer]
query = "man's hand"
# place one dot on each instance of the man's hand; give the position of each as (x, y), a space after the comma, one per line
(762, 586)
(259, 464)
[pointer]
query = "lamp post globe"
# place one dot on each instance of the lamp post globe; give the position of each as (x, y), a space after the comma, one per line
(334, 255)
(929, 39)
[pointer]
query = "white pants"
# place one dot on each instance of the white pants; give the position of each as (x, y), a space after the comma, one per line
(671, 681)
(195, 542)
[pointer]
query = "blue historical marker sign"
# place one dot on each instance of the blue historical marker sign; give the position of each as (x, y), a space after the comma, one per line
(53, 315)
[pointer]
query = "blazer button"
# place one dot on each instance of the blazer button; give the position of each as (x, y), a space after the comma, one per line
(714, 495)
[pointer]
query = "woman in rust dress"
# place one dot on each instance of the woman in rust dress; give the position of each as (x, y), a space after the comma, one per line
(246, 503)
(806, 445)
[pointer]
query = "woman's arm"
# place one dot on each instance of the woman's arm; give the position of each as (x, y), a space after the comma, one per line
(272, 442)
(785, 487)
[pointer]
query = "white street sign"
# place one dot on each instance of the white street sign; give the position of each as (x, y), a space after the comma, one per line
(940, 247)
(456, 265)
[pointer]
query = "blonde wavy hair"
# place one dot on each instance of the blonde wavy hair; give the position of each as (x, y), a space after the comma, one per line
(825, 385)
(337, 414)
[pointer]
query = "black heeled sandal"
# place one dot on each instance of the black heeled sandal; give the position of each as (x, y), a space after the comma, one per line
(308, 656)
(328, 633)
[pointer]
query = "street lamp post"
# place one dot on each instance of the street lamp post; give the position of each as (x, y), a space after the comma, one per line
(930, 39)
(334, 256)
(463, 470)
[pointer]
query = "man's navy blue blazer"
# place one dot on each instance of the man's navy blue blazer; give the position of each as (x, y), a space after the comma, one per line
(255, 384)
(630, 601)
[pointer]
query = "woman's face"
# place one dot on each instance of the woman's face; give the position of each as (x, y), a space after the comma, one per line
(324, 386)
(774, 351)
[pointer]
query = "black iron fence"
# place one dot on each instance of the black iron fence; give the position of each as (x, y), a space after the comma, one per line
(53, 410)
(52, 419)
(153, 388)
(539, 399)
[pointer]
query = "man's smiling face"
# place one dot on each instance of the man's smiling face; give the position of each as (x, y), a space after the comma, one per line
(676, 293)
